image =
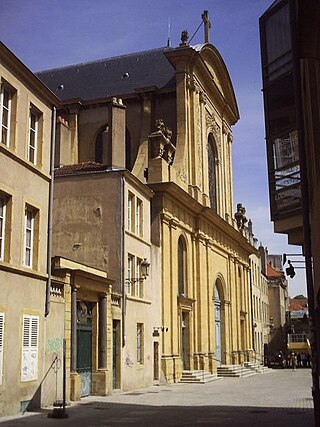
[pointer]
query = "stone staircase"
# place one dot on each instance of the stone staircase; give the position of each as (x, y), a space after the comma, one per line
(197, 377)
(257, 367)
(235, 371)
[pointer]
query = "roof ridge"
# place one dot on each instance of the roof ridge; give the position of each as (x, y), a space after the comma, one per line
(95, 61)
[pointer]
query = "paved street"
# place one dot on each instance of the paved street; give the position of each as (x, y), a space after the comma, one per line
(280, 398)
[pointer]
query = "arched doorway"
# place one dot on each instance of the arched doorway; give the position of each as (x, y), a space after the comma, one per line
(219, 304)
(217, 325)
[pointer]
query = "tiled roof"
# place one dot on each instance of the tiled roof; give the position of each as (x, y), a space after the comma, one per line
(80, 168)
(273, 273)
(296, 304)
(107, 77)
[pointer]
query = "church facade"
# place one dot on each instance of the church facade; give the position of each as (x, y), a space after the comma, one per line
(162, 119)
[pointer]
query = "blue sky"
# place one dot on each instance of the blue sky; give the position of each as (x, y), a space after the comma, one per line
(47, 34)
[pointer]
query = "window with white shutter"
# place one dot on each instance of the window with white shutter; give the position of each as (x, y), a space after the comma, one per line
(30, 340)
(1, 345)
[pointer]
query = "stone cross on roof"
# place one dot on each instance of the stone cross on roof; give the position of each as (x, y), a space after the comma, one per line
(207, 25)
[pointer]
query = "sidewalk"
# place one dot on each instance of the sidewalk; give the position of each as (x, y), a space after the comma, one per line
(280, 398)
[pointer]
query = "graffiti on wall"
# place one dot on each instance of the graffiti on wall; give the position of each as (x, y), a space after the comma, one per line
(54, 344)
(127, 360)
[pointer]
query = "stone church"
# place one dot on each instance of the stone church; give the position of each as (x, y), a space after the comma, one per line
(144, 178)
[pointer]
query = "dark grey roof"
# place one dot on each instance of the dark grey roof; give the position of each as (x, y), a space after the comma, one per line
(111, 76)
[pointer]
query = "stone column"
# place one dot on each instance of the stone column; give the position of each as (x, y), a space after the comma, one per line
(102, 342)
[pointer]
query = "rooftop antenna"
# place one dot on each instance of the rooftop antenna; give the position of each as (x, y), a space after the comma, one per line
(169, 33)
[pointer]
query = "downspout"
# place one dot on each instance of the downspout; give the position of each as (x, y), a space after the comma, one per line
(122, 280)
(49, 234)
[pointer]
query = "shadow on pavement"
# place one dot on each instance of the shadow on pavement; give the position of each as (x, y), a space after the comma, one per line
(107, 414)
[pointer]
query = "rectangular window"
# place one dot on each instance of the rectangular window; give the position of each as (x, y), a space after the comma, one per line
(140, 343)
(130, 274)
(130, 211)
(33, 135)
(2, 225)
(30, 341)
(139, 218)
(5, 115)
(1, 344)
(138, 287)
(29, 236)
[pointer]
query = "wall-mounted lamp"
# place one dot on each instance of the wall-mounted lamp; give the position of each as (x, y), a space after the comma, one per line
(144, 266)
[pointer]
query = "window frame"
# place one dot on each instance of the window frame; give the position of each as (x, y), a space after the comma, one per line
(130, 273)
(139, 217)
(3, 207)
(2, 326)
(138, 291)
(182, 266)
(29, 347)
(29, 248)
(130, 212)
(8, 108)
(140, 343)
(33, 131)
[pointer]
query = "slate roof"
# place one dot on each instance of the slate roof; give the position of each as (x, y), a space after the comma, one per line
(115, 76)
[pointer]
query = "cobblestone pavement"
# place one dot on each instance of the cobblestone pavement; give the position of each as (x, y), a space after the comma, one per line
(280, 398)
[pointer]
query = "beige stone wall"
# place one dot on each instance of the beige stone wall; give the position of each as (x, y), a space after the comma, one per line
(89, 206)
(260, 308)
(210, 260)
(23, 183)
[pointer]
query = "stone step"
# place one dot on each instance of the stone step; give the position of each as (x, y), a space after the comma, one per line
(256, 366)
(235, 371)
(197, 377)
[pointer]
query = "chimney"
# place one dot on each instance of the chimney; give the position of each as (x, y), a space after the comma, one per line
(263, 255)
(116, 155)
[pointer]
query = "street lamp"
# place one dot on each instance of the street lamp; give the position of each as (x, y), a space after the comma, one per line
(144, 271)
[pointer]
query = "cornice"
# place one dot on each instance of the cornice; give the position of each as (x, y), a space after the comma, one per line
(181, 197)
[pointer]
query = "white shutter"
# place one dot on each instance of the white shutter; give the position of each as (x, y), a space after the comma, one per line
(30, 338)
(1, 344)
(34, 348)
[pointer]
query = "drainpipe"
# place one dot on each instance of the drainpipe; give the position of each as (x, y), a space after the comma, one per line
(49, 234)
(122, 280)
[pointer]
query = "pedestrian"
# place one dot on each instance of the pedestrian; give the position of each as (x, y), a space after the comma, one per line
(294, 361)
(299, 360)
(308, 360)
(304, 360)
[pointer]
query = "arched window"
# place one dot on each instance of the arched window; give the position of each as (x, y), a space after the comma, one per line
(212, 158)
(182, 266)
(100, 145)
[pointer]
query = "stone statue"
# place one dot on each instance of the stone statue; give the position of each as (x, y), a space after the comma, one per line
(240, 216)
(184, 38)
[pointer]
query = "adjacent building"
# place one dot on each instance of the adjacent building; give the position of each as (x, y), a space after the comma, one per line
(27, 118)
(290, 68)
(262, 325)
